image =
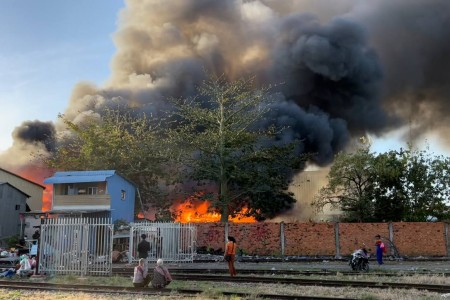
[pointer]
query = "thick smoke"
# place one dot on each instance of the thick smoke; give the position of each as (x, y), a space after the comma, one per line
(36, 132)
(411, 38)
(327, 75)
(341, 68)
(31, 137)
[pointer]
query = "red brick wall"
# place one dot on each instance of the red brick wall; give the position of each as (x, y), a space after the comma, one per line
(257, 238)
(420, 239)
(211, 235)
(353, 235)
(309, 239)
(312, 239)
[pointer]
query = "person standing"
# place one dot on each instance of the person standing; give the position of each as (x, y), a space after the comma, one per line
(141, 277)
(380, 249)
(161, 276)
(230, 255)
(143, 249)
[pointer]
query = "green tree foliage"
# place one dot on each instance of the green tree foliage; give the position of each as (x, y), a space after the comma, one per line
(216, 130)
(118, 140)
(350, 186)
(427, 186)
(390, 175)
(409, 185)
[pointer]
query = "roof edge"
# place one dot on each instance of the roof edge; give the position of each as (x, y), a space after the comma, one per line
(40, 185)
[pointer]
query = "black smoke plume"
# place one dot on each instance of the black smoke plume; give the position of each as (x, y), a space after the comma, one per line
(342, 69)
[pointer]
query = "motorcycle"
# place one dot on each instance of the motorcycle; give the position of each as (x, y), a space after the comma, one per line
(359, 261)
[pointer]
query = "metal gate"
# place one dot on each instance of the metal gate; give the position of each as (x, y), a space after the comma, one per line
(173, 242)
(78, 246)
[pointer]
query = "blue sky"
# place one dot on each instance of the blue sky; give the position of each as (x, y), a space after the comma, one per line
(46, 47)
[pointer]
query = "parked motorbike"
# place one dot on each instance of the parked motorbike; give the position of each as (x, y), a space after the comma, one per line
(359, 261)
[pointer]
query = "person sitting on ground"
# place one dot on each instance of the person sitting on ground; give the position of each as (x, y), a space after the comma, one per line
(141, 277)
(25, 267)
(8, 273)
(33, 262)
(161, 276)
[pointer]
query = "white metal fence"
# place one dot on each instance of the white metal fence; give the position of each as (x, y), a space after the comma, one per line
(173, 242)
(78, 246)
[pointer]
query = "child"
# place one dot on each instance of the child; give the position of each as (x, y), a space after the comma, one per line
(380, 249)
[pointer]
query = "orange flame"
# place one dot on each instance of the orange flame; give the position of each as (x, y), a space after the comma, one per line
(197, 211)
(37, 174)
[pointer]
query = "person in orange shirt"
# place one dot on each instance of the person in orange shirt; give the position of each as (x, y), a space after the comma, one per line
(230, 255)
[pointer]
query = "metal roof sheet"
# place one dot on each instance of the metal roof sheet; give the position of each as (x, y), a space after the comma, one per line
(75, 179)
(85, 173)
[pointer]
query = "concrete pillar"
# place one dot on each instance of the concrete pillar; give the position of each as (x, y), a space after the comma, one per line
(391, 238)
(447, 238)
(282, 240)
(336, 238)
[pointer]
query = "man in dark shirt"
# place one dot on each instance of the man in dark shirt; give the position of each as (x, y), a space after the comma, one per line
(143, 249)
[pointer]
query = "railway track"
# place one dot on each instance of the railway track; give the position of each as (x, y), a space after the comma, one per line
(21, 285)
(129, 271)
(311, 282)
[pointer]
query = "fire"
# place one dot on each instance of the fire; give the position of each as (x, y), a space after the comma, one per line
(197, 211)
(37, 175)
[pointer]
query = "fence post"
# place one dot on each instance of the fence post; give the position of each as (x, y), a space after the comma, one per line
(226, 233)
(447, 239)
(336, 238)
(391, 238)
(130, 243)
(283, 250)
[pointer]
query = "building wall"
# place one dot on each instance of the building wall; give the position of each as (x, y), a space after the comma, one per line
(319, 239)
(306, 186)
(121, 209)
(9, 217)
(29, 188)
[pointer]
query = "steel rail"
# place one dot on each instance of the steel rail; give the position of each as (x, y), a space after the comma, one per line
(320, 282)
(311, 282)
(22, 285)
(126, 271)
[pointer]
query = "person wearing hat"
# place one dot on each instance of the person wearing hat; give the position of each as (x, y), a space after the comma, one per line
(143, 249)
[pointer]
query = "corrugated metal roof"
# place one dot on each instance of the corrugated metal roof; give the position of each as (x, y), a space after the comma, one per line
(85, 173)
(79, 176)
(75, 179)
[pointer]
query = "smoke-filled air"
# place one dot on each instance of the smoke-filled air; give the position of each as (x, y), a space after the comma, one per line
(340, 69)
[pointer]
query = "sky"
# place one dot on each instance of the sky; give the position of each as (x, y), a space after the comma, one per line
(48, 46)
